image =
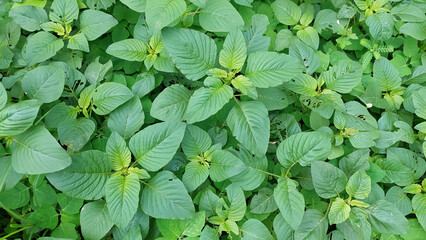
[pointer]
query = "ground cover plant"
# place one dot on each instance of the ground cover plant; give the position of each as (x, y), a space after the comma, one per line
(212, 119)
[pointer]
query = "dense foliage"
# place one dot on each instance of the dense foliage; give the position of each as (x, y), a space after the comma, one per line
(212, 119)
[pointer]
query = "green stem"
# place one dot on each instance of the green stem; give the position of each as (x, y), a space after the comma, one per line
(12, 213)
(15, 232)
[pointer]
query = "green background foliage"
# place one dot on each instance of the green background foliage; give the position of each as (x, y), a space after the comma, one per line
(212, 119)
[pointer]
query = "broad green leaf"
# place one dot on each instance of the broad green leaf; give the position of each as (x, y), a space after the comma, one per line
(16, 197)
(128, 118)
(40, 47)
(220, 16)
(118, 152)
(54, 27)
(64, 11)
(18, 117)
(8, 176)
(282, 229)
(395, 171)
(95, 220)
(99, 4)
(128, 49)
(359, 185)
(44, 83)
(303, 84)
(270, 69)
(234, 51)
(69, 204)
(237, 200)
(328, 180)
(249, 123)
(36, 151)
(399, 198)
(286, 11)
(386, 75)
(207, 101)
(290, 201)
(122, 198)
(76, 133)
(224, 165)
(44, 217)
(171, 103)
(419, 206)
(415, 30)
(195, 174)
(339, 211)
(78, 42)
(192, 52)
(165, 196)
(314, 226)
(108, 96)
(135, 5)
(343, 77)
(60, 113)
(155, 145)
(160, 13)
(28, 17)
(86, 176)
(304, 148)
(196, 141)
(94, 23)
(273, 98)
(144, 84)
(304, 54)
(263, 202)
(385, 218)
(256, 41)
(419, 102)
(255, 229)
(408, 13)
(309, 36)
(3, 96)
(180, 228)
(380, 25)
(209, 234)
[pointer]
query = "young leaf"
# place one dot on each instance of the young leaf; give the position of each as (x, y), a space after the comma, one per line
(64, 11)
(386, 75)
(234, 52)
(339, 211)
(359, 185)
(128, 49)
(118, 152)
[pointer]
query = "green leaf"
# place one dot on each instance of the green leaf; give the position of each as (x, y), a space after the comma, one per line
(118, 152)
(135, 5)
(3, 96)
(415, 30)
(122, 198)
(270, 69)
(224, 165)
(195, 174)
(196, 141)
(78, 42)
(205, 102)
(419, 206)
(108, 96)
(128, 118)
(86, 177)
(28, 17)
(385, 218)
(95, 220)
(18, 117)
(160, 13)
(408, 13)
(245, 86)
(339, 211)
(254, 229)
(359, 185)
(64, 11)
(16, 197)
(309, 36)
(303, 84)
(234, 51)
(41, 46)
(171, 103)
(69, 204)
(76, 133)
(236, 197)
(155, 145)
(263, 202)
(36, 151)
(386, 75)
(44, 83)
(249, 123)
(344, 77)
(274, 98)
(286, 11)
(165, 196)
(328, 180)
(290, 201)
(419, 102)
(144, 84)
(220, 16)
(179, 228)
(380, 25)
(306, 55)
(9, 177)
(44, 217)
(314, 226)
(282, 229)
(128, 49)
(192, 52)
(94, 23)
(304, 148)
